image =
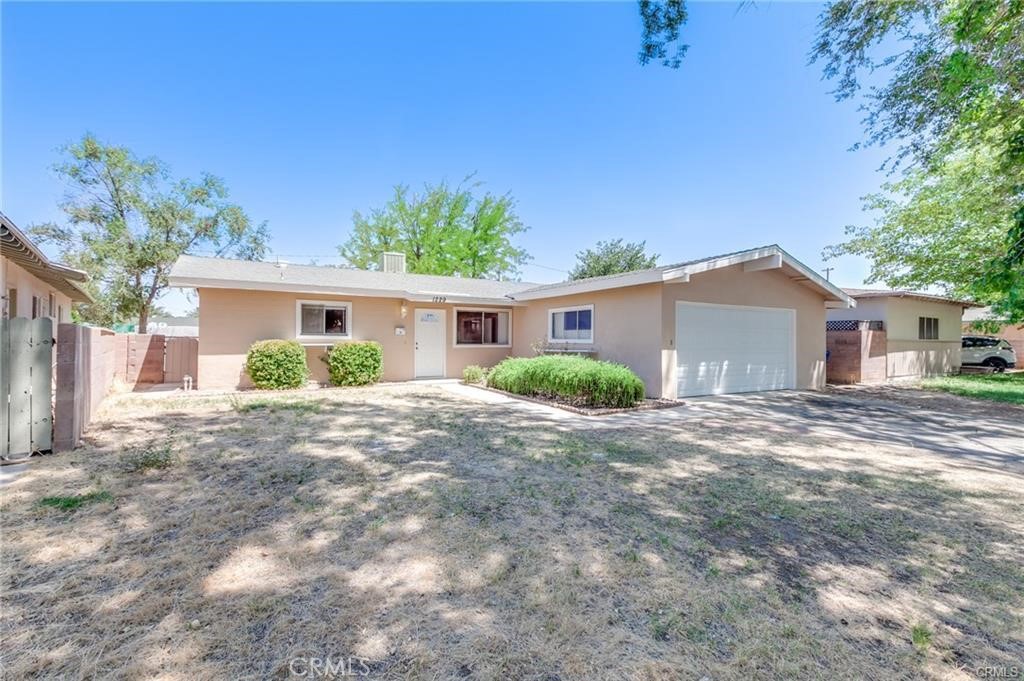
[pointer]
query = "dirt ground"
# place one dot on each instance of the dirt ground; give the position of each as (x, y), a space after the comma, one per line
(416, 533)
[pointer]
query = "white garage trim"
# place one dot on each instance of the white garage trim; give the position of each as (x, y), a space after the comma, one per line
(733, 343)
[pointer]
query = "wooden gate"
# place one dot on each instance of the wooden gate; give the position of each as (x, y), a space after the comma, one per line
(181, 359)
(26, 386)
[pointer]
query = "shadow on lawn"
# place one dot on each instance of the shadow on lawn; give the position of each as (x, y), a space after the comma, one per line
(446, 539)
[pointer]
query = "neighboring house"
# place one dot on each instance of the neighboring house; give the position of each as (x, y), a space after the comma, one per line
(752, 320)
(166, 326)
(32, 285)
(903, 334)
(1014, 333)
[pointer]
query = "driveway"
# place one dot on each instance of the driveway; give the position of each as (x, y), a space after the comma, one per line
(442, 532)
(982, 432)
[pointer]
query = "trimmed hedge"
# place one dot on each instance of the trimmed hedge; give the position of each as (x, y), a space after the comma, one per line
(579, 380)
(474, 374)
(277, 364)
(355, 363)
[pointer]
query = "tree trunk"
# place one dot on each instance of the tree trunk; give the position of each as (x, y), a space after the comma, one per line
(143, 319)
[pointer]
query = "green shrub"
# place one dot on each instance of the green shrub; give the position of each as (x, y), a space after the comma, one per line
(579, 380)
(356, 363)
(474, 374)
(149, 457)
(277, 364)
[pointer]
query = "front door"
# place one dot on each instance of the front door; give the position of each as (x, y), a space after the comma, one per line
(429, 357)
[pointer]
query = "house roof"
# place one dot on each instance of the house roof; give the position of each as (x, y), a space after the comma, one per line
(979, 314)
(201, 272)
(862, 293)
(752, 259)
(20, 250)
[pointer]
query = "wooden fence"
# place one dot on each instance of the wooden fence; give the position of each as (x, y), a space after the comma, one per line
(91, 363)
(26, 383)
(181, 359)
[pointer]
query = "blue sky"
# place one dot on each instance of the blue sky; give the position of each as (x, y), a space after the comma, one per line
(311, 111)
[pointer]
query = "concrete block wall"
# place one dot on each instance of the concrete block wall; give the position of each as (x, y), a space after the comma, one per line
(86, 373)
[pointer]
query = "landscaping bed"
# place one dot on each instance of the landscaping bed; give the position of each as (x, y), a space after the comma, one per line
(577, 407)
(569, 380)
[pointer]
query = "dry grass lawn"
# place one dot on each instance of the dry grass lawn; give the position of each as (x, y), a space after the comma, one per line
(439, 538)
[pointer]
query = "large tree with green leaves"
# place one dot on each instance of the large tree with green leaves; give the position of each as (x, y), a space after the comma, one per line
(612, 257)
(128, 221)
(941, 227)
(955, 96)
(443, 230)
(948, 84)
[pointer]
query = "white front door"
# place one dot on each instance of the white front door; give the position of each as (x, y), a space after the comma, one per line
(429, 340)
(732, 349)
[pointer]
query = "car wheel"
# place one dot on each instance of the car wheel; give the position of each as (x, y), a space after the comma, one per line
(997, 364)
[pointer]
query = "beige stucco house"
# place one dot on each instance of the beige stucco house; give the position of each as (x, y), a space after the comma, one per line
(32, 285)
(918, 334)
(752, 320)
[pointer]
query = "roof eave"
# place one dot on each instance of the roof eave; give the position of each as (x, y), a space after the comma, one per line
(24, 253)
(965, 304)
(177, 281)
(834, 296)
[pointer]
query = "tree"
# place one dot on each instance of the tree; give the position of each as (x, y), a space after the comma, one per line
(941, 227)
(955, 80)
(444, 231)
(612, 257)
(128, 222)
(956, 91)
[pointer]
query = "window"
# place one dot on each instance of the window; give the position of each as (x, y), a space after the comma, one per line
(928, 328)
(51, 305)
(35, 307)
(12, 303)
(481, 327)
(60, 313)
(571, 324)
(319, 319)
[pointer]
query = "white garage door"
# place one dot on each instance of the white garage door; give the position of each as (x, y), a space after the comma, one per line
(730, 349)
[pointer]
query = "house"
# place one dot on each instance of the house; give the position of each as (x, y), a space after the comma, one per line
(893, 334)
(32, 285)
(172, 326)
(745, 321)
(1013, 333)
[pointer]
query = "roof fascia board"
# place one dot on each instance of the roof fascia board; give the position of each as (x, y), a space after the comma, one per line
(768, 262)
(286, 287)
(921, 296)
(573, 287)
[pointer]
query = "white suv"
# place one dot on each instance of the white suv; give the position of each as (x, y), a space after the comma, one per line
(988, 351)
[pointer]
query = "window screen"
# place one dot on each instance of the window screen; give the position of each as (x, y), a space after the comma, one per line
(572, 325)
(928, 328)
(480, 327)
(323, 320)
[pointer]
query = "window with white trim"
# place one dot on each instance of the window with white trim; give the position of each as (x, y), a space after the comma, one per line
(481, 327)
(319, 319)
(571, 324)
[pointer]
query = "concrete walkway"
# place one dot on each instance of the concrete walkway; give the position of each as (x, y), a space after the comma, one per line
(10, 473)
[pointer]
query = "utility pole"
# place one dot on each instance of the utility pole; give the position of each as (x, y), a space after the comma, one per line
(828, 271)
